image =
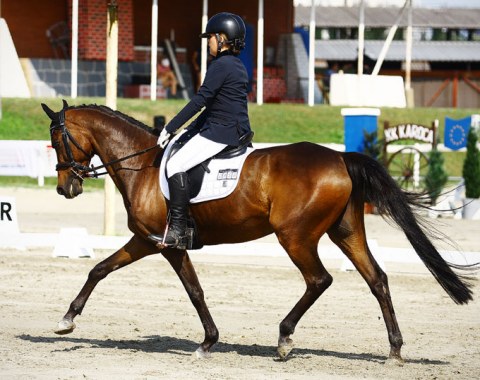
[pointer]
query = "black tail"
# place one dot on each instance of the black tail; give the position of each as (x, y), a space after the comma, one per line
(372, 183)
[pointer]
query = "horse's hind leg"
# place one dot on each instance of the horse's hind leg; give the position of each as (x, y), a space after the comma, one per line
(349, 235)
(134, 250)
(304, 255)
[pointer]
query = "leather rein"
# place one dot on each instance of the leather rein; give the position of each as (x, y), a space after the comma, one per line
(82, 171)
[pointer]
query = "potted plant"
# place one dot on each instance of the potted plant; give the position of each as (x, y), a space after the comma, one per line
(435, 180)
(372, 147)
(436, 177)
(471, 177)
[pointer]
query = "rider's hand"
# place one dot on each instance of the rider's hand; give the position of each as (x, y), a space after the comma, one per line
(164, 138)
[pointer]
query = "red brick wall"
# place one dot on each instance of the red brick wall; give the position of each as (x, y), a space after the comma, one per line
(29, 19)
(92, 30)
(184, 18)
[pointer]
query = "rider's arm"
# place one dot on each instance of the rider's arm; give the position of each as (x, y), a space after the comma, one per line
(199, 121)
(214, 79)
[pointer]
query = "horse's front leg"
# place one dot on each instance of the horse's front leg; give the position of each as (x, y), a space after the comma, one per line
(180, 261)
(134, 250)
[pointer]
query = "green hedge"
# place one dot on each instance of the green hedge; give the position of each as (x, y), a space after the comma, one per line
(24, 119)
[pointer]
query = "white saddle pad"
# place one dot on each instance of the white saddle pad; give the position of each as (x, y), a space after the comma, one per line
(219, 183)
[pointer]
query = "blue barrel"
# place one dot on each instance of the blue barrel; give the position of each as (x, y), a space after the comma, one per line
(356, 122)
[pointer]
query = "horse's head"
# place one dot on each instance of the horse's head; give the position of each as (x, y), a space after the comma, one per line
(74, 152)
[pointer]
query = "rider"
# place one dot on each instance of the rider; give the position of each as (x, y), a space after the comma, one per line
(224, 120)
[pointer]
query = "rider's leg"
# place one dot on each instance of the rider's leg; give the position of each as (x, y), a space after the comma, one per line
(179, 199)
(194, 152)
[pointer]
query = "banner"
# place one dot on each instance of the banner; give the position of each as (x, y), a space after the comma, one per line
(456, 132)
(30, 158)
(367, 90)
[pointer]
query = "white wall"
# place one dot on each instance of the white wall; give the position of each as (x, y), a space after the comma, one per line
(12, 78)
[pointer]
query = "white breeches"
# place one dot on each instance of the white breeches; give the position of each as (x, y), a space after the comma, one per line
(194, 152)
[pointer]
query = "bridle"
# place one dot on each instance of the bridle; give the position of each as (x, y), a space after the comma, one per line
(79, 170)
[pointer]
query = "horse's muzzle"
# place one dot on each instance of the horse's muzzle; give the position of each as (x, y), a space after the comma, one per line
(70, 189)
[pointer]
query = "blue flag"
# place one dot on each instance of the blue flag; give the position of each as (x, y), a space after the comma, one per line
(456, 132)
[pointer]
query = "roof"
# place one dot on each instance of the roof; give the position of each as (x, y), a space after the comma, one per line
(385, 17)
(346, 50)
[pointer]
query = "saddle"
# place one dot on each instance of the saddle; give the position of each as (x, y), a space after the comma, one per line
(197, 173)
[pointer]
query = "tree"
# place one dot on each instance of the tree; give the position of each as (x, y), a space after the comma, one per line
(471, 166)
(436, 177)
(373, 147)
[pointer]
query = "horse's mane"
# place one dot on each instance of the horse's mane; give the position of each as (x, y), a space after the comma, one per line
(119, 114)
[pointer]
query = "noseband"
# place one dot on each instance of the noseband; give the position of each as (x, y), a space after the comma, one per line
(79, 170)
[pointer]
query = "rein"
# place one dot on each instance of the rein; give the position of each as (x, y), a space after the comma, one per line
(82, 171)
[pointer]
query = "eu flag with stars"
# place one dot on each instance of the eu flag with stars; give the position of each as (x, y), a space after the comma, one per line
(456, 132)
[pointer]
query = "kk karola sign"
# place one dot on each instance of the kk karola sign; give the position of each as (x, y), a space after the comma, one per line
(409, 131)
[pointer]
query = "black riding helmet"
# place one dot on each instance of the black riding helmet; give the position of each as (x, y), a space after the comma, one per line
(229, 24)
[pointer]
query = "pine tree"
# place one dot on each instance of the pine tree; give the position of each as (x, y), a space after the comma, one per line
(471, 166)
(436, 177)
(372, 145)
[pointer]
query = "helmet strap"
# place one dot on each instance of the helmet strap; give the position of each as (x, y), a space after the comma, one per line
(219, 42)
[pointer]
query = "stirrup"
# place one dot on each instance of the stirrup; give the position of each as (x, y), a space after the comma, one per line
(180, 242)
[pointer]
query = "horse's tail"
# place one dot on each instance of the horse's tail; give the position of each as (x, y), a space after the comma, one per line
(372, 183)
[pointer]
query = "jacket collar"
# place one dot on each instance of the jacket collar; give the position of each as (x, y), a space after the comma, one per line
(224, 53)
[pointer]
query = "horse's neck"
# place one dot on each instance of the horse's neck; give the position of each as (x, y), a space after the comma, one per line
(115, 138)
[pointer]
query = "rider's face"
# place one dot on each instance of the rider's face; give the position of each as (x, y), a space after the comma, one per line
(213, 45)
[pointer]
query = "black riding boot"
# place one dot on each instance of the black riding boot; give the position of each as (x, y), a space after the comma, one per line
(179, 200)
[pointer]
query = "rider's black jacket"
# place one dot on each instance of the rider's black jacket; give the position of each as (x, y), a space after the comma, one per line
(223, 93)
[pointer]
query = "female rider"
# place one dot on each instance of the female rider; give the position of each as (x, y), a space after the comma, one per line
(223, 93)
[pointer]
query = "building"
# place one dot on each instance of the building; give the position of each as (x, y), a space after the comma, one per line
(446, 47)
(445, 54)
(41, 32)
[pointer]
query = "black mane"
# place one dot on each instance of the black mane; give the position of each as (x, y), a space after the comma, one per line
(119, 114)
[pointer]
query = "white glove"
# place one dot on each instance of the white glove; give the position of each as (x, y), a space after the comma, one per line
(164, 138)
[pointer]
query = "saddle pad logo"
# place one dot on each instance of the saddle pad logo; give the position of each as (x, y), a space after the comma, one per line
(226, 174)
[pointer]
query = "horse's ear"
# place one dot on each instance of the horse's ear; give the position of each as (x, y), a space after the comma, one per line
(51, 114)
(65, 104)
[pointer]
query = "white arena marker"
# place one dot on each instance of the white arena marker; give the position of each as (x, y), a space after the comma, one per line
(73, 243)
(9, 231)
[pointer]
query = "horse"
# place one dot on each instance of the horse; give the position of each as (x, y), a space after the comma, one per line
(298, 191)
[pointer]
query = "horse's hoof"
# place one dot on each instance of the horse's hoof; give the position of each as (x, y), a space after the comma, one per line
(284, 348)
(65, 327)
(201, 354)
(396, 361)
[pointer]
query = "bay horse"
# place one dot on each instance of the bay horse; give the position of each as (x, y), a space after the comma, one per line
(299, 192)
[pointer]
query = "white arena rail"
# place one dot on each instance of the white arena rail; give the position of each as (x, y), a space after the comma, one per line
(37, 159)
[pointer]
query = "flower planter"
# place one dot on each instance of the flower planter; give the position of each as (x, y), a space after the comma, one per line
(471, 208)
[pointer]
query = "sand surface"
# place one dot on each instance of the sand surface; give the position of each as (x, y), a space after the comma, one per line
(140, 324)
